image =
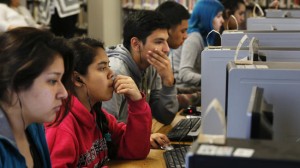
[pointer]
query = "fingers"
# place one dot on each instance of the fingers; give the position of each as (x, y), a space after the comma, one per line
(125, 85)
(122, 82)
(157, 58)
(157, 140)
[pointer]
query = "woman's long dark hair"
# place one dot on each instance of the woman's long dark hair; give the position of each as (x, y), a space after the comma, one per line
(85, 51)
(25, 53)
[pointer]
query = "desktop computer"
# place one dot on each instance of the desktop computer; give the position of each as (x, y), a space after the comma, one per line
(213, 69)
(282, 13)
(278, 38)
(262, 23)
(281, 83)
(245, 153)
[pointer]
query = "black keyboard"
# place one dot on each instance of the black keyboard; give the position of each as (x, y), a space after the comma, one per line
(175, 158)
(185, 130)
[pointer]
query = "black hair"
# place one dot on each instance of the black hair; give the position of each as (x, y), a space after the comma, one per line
(173, 12)
(85, 51)
(141, 24)
(25, 53)
(231, 6)
(7, 2)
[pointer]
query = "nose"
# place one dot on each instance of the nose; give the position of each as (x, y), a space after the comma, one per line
(111, 74)
(185, 35)
(222, 20)
(62, 93)
(166, 48)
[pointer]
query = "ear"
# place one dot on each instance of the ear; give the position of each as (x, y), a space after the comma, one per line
(135, 44)
(75, 80)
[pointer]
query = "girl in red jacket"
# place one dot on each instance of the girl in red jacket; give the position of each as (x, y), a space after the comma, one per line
(88, 136)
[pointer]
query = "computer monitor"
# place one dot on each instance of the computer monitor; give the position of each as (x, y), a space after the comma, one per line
(260, 114)
(281, 83)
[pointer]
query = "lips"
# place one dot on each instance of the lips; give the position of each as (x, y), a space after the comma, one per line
(57, 108)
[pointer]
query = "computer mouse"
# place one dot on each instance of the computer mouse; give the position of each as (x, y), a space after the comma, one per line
(191, 110)
(167, 147)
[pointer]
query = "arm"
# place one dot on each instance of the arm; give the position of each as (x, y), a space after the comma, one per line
(133, 139)
(163, 97)
(191, 49)
(139, 120)
(4, 25)
(114, 104)
(163, 100)
(62, 148)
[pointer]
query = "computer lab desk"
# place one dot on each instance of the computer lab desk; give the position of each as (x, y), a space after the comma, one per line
(155, 158)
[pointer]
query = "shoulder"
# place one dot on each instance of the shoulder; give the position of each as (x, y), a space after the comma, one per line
(66, 126)
(119, 66)
(194, 39)
(195, 36)
(10, 154)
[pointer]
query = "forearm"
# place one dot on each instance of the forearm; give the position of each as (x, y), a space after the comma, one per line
(135, 142)
(164, 104)
(188, 76)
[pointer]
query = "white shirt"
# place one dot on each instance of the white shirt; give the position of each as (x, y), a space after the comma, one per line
(9, 17)
(27, 16)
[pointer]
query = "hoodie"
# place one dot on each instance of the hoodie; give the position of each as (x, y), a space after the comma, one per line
(162, 99)
(10, 155)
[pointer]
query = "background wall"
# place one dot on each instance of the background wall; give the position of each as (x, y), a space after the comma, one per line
(105, 21)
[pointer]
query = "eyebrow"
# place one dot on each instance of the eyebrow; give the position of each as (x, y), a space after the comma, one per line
(55, 73)
(103, 63)
(160, 39)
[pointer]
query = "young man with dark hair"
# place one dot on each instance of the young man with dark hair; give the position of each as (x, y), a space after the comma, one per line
(177, 16)
(144, 57)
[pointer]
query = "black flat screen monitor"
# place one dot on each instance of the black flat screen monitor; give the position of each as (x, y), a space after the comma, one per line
(260, 114)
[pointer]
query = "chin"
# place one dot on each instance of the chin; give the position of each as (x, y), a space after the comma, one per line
(108, 97)
(49, 119)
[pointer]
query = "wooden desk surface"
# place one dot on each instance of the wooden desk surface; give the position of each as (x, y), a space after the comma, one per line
(155, 158)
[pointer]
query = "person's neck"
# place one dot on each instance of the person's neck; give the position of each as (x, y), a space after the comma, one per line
(15, 118)
(139, 61)
(84, 99)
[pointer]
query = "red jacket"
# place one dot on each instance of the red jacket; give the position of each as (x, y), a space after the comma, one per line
(76, 141)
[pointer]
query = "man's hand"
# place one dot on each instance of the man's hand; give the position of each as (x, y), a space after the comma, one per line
(125, 85)
(160, 61)
(157, 140)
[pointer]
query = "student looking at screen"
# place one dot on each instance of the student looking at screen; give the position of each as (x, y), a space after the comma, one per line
(34, 64)
(177, 16)
(144, 57)
(236, 8)
(88, 136)
(206, 16)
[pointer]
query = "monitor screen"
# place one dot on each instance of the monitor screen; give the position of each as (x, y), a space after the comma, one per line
(260, 114)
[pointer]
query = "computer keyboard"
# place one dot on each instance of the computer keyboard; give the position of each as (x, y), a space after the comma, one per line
(175, 158)
(185, 130)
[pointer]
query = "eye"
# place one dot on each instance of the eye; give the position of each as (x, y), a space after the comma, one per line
(53, 81)
(159, 42)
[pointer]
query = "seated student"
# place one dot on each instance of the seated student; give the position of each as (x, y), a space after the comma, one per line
(143, 56)
(88, 136)
(206, 16)
(12, 15)
(22, 10)
(236, 8)
(33, 67)
(177, 16)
